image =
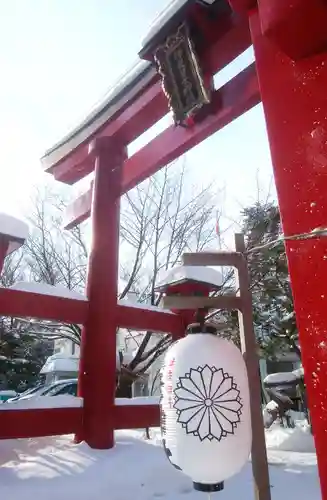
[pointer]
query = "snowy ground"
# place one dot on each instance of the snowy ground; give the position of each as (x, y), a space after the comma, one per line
(54, 468)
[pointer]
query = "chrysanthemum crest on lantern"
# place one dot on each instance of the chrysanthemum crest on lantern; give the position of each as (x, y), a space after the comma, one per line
(208, 403)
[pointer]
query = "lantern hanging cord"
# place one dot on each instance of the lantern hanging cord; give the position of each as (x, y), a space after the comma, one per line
(315, 233)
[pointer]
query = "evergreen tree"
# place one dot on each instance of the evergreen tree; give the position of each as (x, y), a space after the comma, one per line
(274, 316)
(22, 355)
(273, 312)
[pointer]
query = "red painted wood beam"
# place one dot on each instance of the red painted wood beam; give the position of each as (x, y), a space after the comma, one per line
(20, 424)
(149, 106)
(136, 416)
(26, 304)
(31, 423)
(79, 210)
(231, 101)
(144, 112)
(149, 319)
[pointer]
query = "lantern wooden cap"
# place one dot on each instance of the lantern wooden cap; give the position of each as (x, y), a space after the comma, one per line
(194, 328)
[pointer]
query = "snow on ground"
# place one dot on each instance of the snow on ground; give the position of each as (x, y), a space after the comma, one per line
(298, 439)
(137, 469)
(68, 401)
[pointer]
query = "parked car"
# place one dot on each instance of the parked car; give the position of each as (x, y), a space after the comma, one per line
(31, 390)
(61, 387)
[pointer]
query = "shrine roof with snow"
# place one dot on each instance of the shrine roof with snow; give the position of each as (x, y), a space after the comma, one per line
(128, 87)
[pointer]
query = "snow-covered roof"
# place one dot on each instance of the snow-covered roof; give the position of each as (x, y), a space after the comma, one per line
(15, 228)
(202, 274)
(173, 9)
(69, 363)
(126, 89)
(45, 289)
(60, 363)
(175, 12)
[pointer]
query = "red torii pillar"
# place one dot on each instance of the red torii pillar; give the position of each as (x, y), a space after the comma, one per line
(97, 372)
(290, 43)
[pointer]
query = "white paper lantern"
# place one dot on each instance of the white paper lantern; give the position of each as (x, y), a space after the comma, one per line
(205, 410)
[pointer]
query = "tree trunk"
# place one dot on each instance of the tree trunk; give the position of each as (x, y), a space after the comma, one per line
(124, 390)
(124, 387)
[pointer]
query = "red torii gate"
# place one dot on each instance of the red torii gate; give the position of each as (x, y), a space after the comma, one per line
(290, 77)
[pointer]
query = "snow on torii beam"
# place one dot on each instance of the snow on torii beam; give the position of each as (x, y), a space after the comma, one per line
(136, 104)
(231, 101)
(21, 303)
(139, 103)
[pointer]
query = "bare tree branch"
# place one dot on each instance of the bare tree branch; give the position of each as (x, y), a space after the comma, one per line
(160, 219)
(165, 216)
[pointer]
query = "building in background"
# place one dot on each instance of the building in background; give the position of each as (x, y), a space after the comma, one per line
(64, 362)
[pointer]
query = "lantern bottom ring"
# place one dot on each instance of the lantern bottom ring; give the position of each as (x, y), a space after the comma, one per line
(208, 488)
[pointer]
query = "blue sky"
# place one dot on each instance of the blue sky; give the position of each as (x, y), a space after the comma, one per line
(59, 57)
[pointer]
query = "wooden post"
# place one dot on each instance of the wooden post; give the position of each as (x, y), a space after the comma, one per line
(249, 350)
(97, 374)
